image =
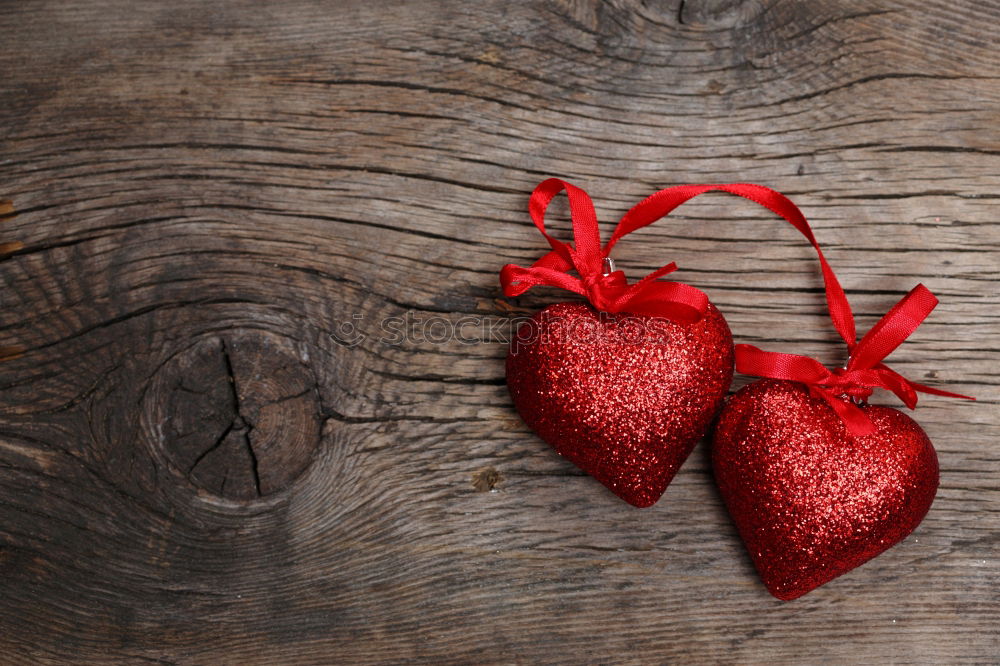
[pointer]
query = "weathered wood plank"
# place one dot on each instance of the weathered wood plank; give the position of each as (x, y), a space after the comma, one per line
(200, 463)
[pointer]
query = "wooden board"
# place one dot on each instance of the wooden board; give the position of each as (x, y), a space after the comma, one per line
(217, 447)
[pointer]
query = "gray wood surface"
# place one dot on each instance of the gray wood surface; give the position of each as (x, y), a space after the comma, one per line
(201, 461)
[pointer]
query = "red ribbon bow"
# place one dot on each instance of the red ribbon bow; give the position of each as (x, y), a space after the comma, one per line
(845, 388)
(608, 290)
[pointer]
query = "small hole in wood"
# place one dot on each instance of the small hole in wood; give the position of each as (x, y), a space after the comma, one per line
(486, 479)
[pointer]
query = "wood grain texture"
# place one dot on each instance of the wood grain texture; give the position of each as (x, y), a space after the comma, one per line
(216, 444)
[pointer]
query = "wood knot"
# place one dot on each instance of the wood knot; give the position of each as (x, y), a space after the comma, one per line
(238, 415)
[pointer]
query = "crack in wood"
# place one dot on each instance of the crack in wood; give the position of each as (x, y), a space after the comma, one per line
(241, 425)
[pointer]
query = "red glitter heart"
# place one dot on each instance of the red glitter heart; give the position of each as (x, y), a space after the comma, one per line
(625, 397)
(810, 500)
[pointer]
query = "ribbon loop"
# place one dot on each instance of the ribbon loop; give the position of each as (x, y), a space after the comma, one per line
(586, 235)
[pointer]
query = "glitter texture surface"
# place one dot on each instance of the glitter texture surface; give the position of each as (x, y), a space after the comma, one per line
(810, 500)
(625, 397)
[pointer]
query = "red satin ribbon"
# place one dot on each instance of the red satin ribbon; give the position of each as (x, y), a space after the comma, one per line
(611, 292)
(607, 292)
(841, 388)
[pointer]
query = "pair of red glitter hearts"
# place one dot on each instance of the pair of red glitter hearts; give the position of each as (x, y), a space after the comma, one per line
(816, 480)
